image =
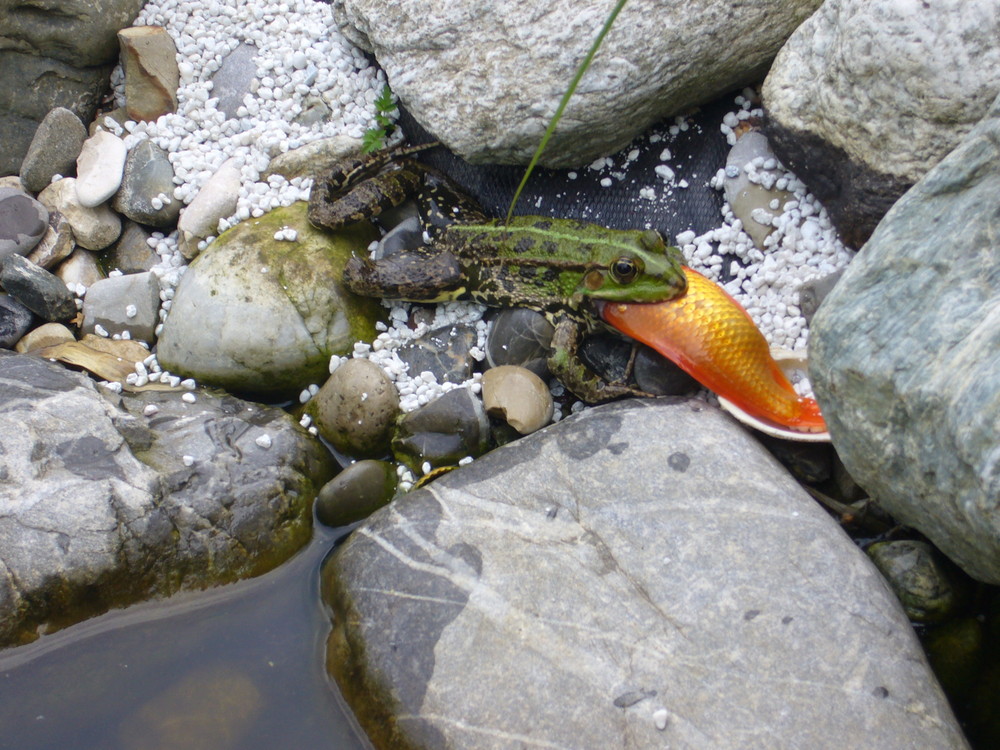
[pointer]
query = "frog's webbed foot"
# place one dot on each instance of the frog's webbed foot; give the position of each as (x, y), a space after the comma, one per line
(413, 276)
(565, 364)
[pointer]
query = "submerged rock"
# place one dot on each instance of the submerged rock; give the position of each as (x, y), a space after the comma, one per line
(612, 581)
(905, 351)
(108, 499)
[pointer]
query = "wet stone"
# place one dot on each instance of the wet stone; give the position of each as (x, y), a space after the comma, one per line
(23, 222)
(522, 337)
(607, 355)
(356, 492)
(15, 321)
(356, 409)
(918, 576)
(442, 432)
(517, 396)
(443, 352)
(40, 291)
(406, 235)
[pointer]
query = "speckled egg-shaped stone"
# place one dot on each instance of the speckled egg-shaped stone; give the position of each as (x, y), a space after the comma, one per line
(356, 409)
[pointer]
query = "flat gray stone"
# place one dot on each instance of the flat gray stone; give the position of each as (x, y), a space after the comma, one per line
(643, 575)
(23, 222)
(42, 292)
(905, 356)
(487, 83)
(103, 504)
(130, 302)
(867, 95)
(148, 178)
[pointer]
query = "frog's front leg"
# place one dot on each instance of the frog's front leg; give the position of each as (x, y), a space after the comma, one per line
(565, 364)
(412, 276)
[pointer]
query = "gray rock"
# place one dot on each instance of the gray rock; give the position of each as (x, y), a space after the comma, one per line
(356, 492)
(148, 175)
(231, 82)
(15, 321)
(107, 500)
(258, 315)
(80, 268)
(43, 293)
(23, 222)
(905, 351)
(752, 202)
(919, 578)
(641, 575)
(866, 96)
(130, 302)
(814, 291)
(442, 432)
(131, 253)
(487, 83)
(443, 352)
(657, 375)
(522, 337)
(53, 150)
(149, 61)
(356, 409)
(315, 158)
(99, 168)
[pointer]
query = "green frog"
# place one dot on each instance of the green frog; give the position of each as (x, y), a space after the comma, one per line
(563, 268)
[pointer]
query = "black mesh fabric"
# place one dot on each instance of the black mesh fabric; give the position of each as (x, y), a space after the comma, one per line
(696, 155)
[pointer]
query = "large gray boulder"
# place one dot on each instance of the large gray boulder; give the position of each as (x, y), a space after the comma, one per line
(867, 95)
(106, 500)
(58, 56)
(643, 575)
(905, 357)
(485, 80)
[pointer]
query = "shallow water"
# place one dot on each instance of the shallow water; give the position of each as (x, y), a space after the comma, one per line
(241, 666)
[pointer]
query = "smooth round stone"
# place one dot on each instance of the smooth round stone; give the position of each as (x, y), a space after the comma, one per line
(48, 334)
(356, 409)
(442, 432)
(917, 576)
(753, 202)
(99, 168)
(148, 175)
(54, 149)
(517, 396)
(94, 228)
(356, 492)
(519, 336)
(607, 355)
(23, 222)
(406, 235)
(443, 351)
(657, 375)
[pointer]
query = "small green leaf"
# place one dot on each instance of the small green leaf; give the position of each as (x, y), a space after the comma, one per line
(372, 140)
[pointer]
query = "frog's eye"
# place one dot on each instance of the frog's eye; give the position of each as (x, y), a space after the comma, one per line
(625, 269)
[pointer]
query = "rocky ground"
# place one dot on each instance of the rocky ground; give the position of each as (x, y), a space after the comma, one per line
(648, 563)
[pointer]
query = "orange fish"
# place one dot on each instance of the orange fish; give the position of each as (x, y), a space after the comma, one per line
(709, 336)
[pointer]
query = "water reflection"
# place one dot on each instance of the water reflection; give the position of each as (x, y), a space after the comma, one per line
(237, 667)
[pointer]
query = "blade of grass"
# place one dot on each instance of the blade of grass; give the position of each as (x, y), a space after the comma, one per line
(584, 65)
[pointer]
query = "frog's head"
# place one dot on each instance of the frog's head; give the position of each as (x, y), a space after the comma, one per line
(645, 271)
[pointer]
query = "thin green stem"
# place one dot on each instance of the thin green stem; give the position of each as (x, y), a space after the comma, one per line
(562, 104)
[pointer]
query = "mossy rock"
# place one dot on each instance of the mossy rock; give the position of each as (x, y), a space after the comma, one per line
(261, 316)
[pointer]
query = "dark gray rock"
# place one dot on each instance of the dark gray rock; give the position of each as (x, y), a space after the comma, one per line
(23, 222)
(842, 103)
(356, 492)
(519, 336)
(148, 178)
(53, 150)
(905, 351)
(43, 293)
(486, 84)
(107, 500)
(15, 321)
(641, 575)
(657, 375)
(443, 352)
(442, 432)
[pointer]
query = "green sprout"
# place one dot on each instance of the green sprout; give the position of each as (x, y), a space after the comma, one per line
(374, 138)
